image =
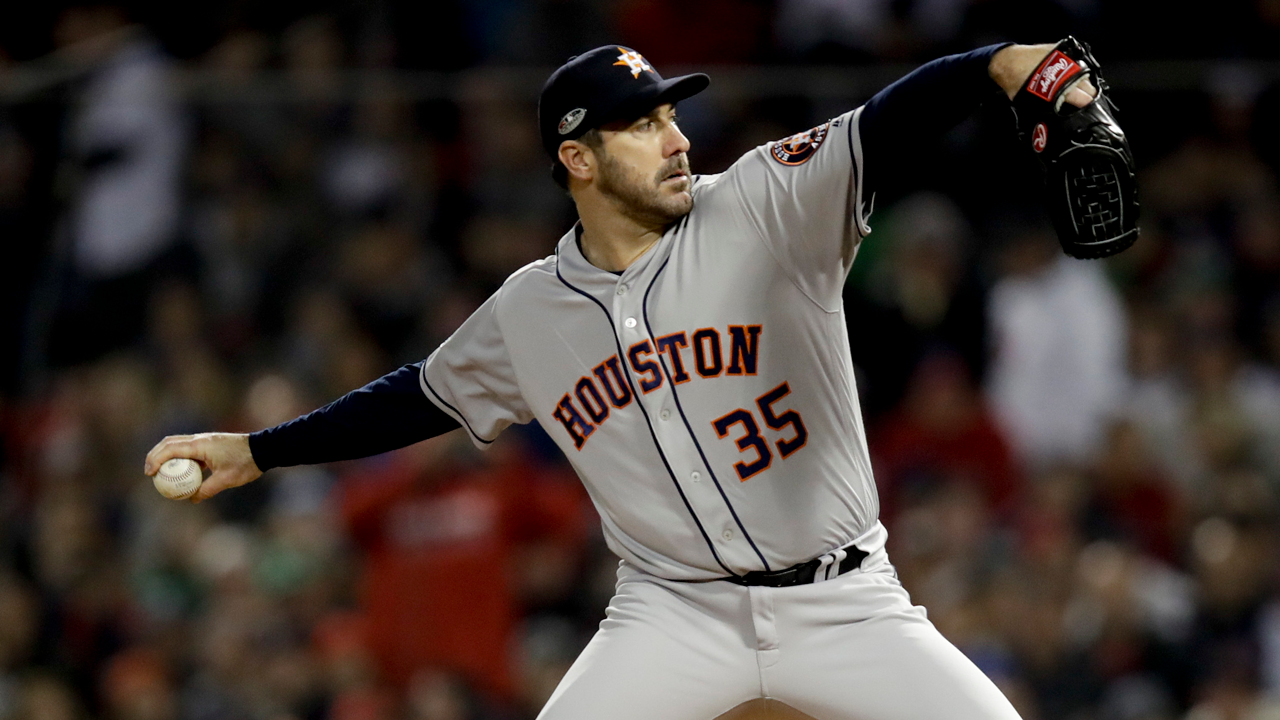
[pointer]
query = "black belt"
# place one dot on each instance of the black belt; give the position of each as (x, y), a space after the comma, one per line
(801, 574)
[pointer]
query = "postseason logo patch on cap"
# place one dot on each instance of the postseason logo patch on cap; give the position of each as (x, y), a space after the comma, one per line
(571, 120)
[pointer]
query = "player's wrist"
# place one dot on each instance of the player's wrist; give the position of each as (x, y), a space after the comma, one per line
(256, 446)
(245, 452)
(1011, 66)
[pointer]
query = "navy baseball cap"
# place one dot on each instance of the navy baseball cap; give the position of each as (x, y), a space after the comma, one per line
(606, 84)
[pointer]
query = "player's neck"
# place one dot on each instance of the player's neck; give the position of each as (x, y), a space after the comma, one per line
(613, 241)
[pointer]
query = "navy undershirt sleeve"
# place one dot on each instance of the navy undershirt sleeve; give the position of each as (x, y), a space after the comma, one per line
(388, 413)
(910, 116)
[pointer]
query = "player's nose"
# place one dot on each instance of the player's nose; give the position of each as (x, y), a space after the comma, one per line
(676, 142)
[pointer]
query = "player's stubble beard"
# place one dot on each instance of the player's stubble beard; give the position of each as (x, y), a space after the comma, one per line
(643, 199)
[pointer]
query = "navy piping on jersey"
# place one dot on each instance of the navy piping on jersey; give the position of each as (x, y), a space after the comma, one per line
(648, 422)
(644, 307)
(444, 402)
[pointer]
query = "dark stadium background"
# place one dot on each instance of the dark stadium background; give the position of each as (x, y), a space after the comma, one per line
(1079, 463)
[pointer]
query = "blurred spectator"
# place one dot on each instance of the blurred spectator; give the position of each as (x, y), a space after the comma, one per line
(1228, 560)
(325, 347)
(365, 174)
(390, 282)
(1158, 401)
(719, 32)
(196, 389)
(818, 30)
(19, 630)
(125, 147)
(912, 291)
(435, 695)
(136, 686)
(942, 435)
(1058, 334)
(18, 222)
(43, 696)
(1131, 501)
(429, 521)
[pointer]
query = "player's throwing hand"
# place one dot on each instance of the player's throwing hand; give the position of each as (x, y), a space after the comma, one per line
(225, 455)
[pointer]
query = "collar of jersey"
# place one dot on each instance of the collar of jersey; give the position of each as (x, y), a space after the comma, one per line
(578, 271)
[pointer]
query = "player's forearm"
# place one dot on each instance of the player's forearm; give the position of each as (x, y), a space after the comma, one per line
(388, 413)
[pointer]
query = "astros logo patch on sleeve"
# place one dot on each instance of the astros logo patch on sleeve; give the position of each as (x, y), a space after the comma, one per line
(797, 149)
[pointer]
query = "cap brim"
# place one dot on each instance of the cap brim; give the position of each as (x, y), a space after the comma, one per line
(671, 90)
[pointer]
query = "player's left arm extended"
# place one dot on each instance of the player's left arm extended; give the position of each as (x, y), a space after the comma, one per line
(907, 117)
(1064, 119)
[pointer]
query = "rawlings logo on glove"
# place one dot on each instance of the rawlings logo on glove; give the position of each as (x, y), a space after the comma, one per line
(1055, 70)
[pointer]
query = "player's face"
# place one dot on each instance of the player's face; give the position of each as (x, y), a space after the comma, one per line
(645, 168)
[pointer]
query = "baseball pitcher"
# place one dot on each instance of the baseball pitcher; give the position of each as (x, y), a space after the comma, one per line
(685, 346)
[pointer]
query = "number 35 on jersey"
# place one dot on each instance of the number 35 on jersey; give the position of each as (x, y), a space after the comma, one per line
(707, 352)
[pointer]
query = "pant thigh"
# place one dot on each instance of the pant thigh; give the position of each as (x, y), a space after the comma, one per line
(858, 650)
(661, 653)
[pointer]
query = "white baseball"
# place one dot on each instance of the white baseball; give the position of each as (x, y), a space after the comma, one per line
(178, 479)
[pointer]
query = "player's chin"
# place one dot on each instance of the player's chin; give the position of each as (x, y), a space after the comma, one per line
(679, 204)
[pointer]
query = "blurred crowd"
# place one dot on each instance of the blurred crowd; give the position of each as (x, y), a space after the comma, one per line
(1079, 462)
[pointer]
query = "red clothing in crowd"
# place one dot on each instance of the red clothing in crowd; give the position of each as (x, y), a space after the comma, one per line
(1145, 513)
(439, 542)
(942, 434)
(974, 454)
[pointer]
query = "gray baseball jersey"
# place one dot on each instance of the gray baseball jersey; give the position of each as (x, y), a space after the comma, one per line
(705, 395)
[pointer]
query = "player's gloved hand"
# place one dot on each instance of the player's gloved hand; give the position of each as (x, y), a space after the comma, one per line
(1090, 185)
(226, 455)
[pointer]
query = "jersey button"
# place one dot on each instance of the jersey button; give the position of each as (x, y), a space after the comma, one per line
(629, 322)
(727, 534)
(622, 289)
(665, 414)
(695, 476)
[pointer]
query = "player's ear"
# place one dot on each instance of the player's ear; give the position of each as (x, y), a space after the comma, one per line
(578, 159)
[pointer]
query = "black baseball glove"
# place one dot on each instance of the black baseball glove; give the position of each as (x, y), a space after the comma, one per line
(1088, 168)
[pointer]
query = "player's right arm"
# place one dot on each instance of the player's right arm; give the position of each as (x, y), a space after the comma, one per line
(387, 414)
(469, 381)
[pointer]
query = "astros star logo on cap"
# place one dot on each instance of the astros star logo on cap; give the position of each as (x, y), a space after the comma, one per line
(634, 62)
